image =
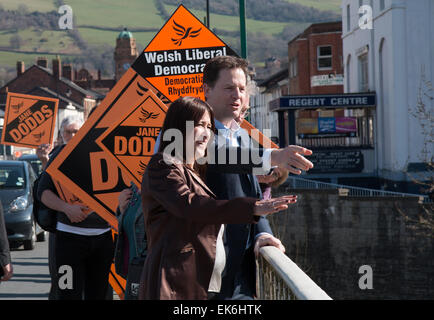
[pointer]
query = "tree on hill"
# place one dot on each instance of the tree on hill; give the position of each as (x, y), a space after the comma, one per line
(15, 41)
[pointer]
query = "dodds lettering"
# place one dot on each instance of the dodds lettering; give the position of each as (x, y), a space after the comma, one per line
(134, 146)
(30, 123)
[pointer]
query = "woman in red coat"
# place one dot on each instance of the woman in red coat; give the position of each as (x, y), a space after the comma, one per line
(183, 219)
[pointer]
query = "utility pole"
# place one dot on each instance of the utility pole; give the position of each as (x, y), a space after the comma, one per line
(243, 37)
(207, 14)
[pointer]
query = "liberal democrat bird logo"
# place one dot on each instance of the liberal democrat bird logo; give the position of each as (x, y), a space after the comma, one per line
(16, 107)
(38, 136)
(158, 93)
(184, 33)
(147, 115)
(142, 169)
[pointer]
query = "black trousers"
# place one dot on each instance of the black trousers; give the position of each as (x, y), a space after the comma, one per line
(83, 265)
(52, 295)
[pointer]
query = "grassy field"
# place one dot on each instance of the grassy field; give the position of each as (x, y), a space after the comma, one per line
(40, 40)
(115, 13)
(31, 5)
(231, 23)
(98, 37)
(332, 5)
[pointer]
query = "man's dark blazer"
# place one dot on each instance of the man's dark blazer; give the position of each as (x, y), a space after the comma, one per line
(239, 275)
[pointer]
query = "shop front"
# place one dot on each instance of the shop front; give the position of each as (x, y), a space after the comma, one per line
(339, 128)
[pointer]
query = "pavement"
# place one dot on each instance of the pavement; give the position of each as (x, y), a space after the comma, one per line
(30, 280)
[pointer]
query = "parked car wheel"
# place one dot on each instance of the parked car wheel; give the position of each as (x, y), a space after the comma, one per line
(31, 243)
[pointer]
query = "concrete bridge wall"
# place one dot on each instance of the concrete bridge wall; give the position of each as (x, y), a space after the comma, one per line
(330, 237)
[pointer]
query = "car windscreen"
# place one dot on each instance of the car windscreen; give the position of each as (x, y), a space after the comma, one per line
(12, 177)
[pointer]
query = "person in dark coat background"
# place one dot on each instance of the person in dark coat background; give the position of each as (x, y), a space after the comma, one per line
(5, 256)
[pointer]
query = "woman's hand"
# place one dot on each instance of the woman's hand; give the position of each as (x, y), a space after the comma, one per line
(124, 198)
(266, 207)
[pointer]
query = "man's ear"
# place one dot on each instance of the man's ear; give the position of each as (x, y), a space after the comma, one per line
(206, 90)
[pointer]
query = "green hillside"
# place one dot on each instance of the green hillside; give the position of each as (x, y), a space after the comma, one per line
(98, 22)
(332, 5)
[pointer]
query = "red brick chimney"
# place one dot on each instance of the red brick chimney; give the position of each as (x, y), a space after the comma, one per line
(20, 68)
(56, 68)
(67, 72)
(42, 62)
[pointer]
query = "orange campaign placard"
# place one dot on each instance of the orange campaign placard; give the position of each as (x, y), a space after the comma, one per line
(83, 167)
(173, 61)
(131, 140)
(29, 120)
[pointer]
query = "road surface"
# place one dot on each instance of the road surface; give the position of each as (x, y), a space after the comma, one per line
(31, 280)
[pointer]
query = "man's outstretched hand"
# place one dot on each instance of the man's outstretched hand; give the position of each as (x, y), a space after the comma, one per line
(292, 158)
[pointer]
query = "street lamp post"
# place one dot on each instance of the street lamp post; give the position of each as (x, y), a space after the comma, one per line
(207, 14)
(243, 37)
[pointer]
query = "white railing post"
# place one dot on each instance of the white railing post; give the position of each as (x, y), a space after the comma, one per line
(299, 284)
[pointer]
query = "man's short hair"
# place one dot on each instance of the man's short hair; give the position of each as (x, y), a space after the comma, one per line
(212, 68)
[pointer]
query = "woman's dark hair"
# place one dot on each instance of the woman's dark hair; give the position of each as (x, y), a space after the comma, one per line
(180, 111)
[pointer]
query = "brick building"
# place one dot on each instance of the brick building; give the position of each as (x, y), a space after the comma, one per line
(317, 114)
(51, 82)
(315, 60)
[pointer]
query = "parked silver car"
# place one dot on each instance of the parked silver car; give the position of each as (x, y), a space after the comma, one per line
(16, 181)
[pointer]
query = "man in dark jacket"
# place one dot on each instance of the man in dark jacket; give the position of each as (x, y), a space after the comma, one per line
(225, 88)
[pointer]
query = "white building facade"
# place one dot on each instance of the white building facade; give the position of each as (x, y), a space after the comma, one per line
(393, 55)
(261, 117)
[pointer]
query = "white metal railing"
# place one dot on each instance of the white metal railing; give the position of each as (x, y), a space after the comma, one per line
(279, 278)
(302, 183)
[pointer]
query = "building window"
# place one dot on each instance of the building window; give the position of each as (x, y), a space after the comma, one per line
(348, 18)
(381, 5)
(363, 73)
(324, 57)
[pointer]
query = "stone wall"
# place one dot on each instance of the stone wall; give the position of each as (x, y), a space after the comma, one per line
(331, 236)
